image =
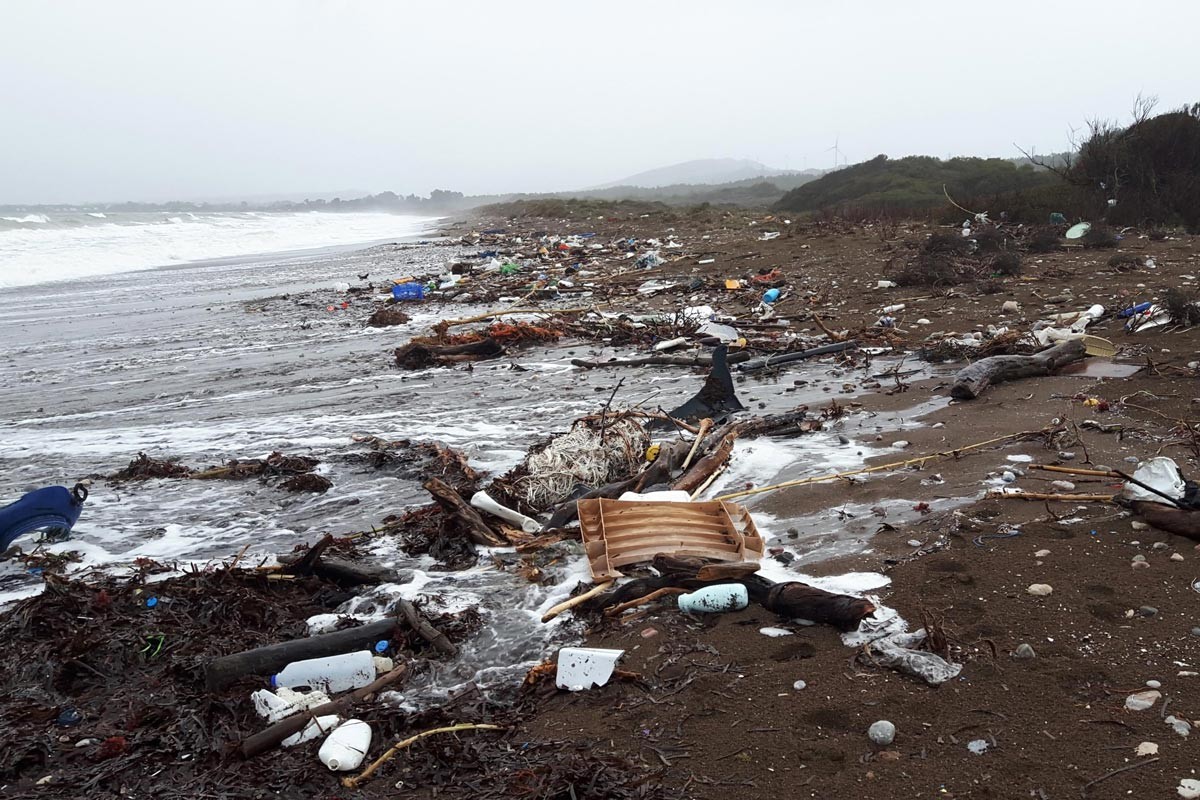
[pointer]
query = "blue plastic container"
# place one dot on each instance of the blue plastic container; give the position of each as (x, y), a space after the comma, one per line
(408, 291)
(1129, 312)
(771, 295)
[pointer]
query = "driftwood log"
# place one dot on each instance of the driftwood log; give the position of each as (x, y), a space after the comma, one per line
(270, 738)
(660, 361)
(975, 378)
(221, 672)
(792, 599)
(460, 513)
(1165, 518)
(786, 358)
(417, 355)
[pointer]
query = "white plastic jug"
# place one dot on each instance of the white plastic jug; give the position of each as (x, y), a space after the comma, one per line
(330, 674)
(715, 599)
(345, 748)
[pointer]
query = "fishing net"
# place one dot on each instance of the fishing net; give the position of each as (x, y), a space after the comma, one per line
(584, 455)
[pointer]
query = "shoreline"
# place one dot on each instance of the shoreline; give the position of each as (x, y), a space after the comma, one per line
(716, 704)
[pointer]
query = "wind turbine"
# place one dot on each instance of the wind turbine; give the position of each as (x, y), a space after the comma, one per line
(836, 151)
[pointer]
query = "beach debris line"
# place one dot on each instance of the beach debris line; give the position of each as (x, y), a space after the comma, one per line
(290, 472)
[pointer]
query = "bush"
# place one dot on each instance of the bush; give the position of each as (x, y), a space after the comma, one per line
(1007, 263)
(1124, 262)
(1182, 306)
(1044, 240)
(928, 269)
(1100, 237)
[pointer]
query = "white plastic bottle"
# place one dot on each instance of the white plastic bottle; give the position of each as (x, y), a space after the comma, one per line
(330, 674)
(345, 748)
(715, 599)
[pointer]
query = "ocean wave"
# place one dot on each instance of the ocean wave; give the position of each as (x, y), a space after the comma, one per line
(71, 246)
(29, 219)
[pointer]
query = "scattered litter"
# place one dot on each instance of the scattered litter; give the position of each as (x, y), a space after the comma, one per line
(978, 746)
(581, 668)
(1140, 701)
(715, 599)
(345, 748)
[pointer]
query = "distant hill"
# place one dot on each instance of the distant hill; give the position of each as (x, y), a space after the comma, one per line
(912, 183)
(702, 171)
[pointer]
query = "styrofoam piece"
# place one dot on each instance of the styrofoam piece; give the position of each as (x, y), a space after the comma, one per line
(345, 748)
(316, 727)
(283, 702)
(726, 333)
(666, 496)
(484, 502)
(1163, 474)
(581, 668)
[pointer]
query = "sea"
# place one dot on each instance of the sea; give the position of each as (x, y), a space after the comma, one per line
(208, 337)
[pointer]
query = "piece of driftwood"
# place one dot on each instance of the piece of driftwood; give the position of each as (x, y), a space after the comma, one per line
(974, 379)
(705, 426)
(1001, 494)
(270, 737)
(1165, 518)
(460, 513)
(797, 600)
(641, 601)
(786, 358)
(792, 599)
(353, 782)
(426, 631)
(660, 361)
(271, 658)
(579, 599)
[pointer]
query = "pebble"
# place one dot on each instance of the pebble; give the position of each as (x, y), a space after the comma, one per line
(1176, 557)
(1041, 554)
(1010, 307)
(1140, 701)
(1024, 651)
(1159, 546)
(1040, 589)
(882, 733)
(1139, 526)
(938, 425)
(49, 778)
(1154, 684)
(1132, 459)
(1139, 557)
(87, 742)
(1007, 476)
(798, 685)
(1066, 455)
(1146, 749)
(1195, 631)
(901, 444)
(889, 755)
(914, 542)
(1140, 565)
(1147, 611)
(1063, 486)
(649, 632)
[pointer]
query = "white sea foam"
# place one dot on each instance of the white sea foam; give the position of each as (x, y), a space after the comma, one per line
(38, 249)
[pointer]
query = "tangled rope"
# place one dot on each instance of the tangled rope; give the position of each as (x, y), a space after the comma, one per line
(582, 455)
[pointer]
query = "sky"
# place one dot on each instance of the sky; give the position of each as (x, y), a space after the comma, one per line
(122, 100)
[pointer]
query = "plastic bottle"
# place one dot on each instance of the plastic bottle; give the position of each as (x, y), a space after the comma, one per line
(1139, 308)
(345, 748)
(715, 599)
(771, 295)
(330, 674)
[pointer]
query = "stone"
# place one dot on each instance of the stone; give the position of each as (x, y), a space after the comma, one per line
(1063, 486)
(1040, 589)
(1066, 455)
(1041, 554)
(798, 685)
(1007, 476)
(889, 755)
(1139, 557)
(1147, 611)
(978, 746)
(1138, 525)
(1154, 684)
(1195, 631)
(1140, 701)
(1146, 749)
(1176, 557)
(1140, 565)
(1024, 651)
(1010, 307)
(1159, 546)
(882, 733)
(901, 444)
(1132, 459)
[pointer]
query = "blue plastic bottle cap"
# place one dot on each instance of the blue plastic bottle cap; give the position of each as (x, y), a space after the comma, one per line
(381, 646)
(151, 602)
(274, 681)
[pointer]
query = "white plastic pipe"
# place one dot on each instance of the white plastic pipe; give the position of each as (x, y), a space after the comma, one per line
(484, 502)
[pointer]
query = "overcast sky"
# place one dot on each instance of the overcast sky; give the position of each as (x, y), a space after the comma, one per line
(155, 100)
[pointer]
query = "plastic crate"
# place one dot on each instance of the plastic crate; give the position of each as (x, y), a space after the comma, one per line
(408, 291)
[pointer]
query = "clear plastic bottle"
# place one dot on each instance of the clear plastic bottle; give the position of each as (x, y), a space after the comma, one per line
(715, 599)
(330, 674)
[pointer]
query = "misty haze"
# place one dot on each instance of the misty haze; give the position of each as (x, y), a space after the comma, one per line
(548, 401)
